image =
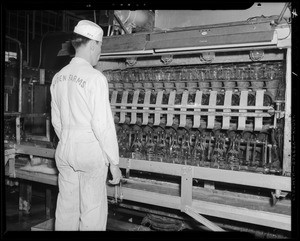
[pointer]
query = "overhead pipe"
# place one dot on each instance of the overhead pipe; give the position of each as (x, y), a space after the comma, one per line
(21, 71)
(95, 19)
(281, 14)
(121, 24)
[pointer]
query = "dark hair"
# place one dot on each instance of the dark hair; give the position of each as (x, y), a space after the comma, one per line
(77, 40)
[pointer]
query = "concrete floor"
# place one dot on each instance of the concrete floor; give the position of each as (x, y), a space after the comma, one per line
(21, 221)
(18, 220)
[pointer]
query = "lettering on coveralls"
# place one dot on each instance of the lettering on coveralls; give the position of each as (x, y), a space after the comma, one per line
(70, 78)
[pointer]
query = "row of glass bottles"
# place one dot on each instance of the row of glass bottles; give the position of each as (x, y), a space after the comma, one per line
(191, 149)
(234, 71)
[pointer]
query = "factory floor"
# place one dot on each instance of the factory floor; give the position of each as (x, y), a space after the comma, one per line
(18, 220)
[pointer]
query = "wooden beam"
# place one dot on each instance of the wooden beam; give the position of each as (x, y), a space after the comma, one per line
(37, 177)
(35, 151)
(257, 217)
(234, 177)
(193, 213)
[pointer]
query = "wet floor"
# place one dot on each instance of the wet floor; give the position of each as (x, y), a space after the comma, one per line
(18, 220)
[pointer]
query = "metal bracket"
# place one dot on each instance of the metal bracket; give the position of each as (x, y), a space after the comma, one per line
(11, 167)
(167, 59)
(207, 57)
(131, 61)
(127, 168)
(187, 173)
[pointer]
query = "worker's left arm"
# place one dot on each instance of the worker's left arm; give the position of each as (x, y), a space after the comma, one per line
(102, 119)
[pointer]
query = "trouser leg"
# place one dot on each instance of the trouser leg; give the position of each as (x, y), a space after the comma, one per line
(67, 211)
(93, 200)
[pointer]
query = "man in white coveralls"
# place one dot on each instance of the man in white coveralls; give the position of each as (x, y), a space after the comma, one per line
(82, 118)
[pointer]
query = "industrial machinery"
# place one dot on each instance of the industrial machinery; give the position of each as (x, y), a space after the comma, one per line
(203, 118)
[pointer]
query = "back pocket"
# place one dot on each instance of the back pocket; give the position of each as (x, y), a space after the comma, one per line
(88, 156)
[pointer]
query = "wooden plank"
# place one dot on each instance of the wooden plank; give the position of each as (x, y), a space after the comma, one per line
(259, 101)
(212, 102)
(158, 103)
(146, 102)
(208, 208)
(243, 103)
(48, 225)
(239, 38)
(198, 100)
(35, 151)
(37, 177)
(197, 107)
(124, 43)
(113, 100)
(11, 167)
(241, 178)
(194, 214)
(186, 186)
(244, 178)
(18, 130)
(226, 197)
(156, 167)
(195, 112)
(227, 105)
(211, 30)
(171, 102)
(184, 99)
(124, 101)
(134, 102)
(10, 151)
(256, 217)
(235, 177)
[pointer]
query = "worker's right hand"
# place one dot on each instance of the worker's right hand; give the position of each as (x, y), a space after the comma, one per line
(116, 174)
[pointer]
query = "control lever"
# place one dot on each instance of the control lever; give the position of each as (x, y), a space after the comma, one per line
(118, 194)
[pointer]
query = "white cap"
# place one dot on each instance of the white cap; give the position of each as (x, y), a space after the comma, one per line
(89, 29)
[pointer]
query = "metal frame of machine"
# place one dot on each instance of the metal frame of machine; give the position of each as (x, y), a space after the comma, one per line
(161, 49)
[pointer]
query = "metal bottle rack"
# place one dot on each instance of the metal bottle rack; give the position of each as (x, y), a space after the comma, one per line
(171, 50)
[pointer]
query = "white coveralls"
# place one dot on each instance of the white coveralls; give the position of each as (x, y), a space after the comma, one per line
(83, 122)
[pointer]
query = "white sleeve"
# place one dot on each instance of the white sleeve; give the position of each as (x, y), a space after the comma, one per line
(55, 113)
(102, 119)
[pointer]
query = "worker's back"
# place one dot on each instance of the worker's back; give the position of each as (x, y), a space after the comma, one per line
(71, 90)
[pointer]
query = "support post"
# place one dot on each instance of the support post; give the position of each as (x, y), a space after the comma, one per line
(287, 122)
(48, 203)
(25, 195)
(187, 173)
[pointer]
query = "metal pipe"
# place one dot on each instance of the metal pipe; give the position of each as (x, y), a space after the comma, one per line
(33, 24)
(95, 20)
(121, 24)
(27, 40)
(281, 14)
(21, 71)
